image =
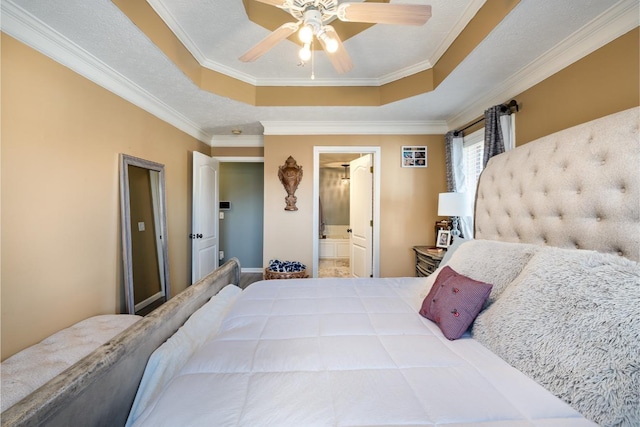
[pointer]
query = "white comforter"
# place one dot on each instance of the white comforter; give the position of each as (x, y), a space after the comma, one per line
(347, 352)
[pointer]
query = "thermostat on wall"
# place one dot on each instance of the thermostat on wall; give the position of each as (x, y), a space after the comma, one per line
(225, 206)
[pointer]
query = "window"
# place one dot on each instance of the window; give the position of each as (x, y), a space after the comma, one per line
(473, 153)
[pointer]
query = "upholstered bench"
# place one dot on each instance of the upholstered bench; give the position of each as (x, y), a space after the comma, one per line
(31, 368)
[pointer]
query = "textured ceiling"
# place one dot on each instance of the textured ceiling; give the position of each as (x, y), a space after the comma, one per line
(96, 39)
(378, 53)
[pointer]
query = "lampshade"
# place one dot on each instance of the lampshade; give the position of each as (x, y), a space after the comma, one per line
(453, 204)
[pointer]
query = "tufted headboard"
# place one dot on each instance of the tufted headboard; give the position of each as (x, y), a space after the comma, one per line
(577, 188)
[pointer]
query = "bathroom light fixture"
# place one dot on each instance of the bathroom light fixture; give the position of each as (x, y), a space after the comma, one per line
(345, 178)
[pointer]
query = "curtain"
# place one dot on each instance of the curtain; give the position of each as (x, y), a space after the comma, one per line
(498, 132)
(456, 180)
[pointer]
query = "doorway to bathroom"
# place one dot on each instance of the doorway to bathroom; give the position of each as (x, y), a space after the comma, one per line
(346, 211)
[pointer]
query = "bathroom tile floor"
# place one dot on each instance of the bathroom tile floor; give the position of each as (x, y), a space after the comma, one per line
(334, 267)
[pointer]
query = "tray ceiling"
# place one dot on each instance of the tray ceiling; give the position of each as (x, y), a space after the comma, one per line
(98, 40)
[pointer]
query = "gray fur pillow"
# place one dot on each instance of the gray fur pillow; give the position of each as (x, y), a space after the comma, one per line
(490, 261)
(571, 321)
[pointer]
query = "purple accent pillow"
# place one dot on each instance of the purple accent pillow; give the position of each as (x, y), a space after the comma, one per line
(445, 274)
(456, 302)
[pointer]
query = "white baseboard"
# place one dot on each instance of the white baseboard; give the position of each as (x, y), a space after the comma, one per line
(251, 270)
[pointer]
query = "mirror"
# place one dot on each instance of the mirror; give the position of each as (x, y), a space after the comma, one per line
(144, 234)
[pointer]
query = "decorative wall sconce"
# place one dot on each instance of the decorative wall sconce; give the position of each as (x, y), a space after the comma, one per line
(290, 175)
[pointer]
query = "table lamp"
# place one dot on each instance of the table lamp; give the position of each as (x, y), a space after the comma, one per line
(453, 205)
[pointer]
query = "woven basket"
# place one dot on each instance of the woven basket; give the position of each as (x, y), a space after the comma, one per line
(270, 274)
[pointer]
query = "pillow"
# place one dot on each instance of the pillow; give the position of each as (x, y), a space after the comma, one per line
(452, 248)
(491, 261)
(571, 321)
(445, 273)
(455, 303)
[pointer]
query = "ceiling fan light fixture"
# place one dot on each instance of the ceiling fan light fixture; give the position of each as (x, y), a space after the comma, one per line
(331, 44)
(305, 52)
(313, 19)
(306, 34)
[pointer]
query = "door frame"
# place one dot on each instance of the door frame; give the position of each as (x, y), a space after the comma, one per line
(239, 159)
(376, 151)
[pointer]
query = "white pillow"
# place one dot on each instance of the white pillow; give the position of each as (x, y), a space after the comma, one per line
(452, 248)
(491, 261)
(171, 356)
(571, 321)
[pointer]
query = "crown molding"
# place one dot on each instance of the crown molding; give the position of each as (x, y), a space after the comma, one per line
(192, 47)
(237, 141)
(613, 23)
(317, 82)
(405, 72)
(354, 128)
(466, 17)
(36, 34)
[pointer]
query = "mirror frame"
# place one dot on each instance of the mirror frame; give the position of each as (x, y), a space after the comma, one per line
(125, 215)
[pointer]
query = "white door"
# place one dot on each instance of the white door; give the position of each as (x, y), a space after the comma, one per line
(204, 234)
(360, 216)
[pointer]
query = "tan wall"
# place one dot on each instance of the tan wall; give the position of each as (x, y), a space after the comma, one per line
(408, 199)
(61, 136)
(237, 151)
(605, 82)
(602, 83)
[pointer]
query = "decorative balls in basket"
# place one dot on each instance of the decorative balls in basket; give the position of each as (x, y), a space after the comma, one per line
(285, 270)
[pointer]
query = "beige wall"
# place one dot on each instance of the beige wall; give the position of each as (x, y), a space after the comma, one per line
(237, 151)
(605, 82)
(61, 136)
(408, 199)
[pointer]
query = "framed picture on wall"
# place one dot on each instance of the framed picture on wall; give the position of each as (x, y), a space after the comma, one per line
(414, 157)
(443, 239)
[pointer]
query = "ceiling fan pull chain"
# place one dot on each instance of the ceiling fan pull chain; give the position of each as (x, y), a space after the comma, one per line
(313, 68)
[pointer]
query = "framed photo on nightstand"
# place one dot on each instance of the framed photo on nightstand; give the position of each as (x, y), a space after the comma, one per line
(443, 239)
(445, 224)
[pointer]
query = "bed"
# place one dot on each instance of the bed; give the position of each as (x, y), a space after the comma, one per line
(548, 333)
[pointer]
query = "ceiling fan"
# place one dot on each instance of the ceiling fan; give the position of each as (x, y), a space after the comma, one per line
(313, 17)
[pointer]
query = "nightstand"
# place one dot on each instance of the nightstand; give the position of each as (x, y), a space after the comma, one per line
(427, 260)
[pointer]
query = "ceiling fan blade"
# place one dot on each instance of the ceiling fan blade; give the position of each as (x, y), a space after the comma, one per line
(272, 2)
(340, 57)
(384, 13)
(266, 44)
